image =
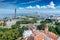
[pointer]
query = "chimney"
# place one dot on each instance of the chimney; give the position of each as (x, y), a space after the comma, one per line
(46, 27)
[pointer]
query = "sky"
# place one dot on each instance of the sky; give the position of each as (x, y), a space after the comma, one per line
(22, 6)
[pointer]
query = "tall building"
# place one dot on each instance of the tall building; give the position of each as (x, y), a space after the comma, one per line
(15, 13)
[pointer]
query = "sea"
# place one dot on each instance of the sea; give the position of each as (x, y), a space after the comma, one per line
(27, 14)
(18, 14)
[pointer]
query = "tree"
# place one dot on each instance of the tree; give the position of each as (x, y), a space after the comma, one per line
(15, 26)
(40, 27)
(58, 28)
(57, 23)
(26, 22)
(11, 34)
(21, 30)
(18, 22)
(4, 24)
(52, 29)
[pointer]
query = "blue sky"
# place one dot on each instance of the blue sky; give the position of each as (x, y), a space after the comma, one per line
(42, 6)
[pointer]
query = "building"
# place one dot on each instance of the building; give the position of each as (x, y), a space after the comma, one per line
(10, 23)
(15, 13)
(40, 34)
(58, 19)
(1, 21)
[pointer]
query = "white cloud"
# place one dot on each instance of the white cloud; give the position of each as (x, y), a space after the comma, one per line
(37, 6)
(21, 8)
(51, 5)
(29, 7)
(43, 6)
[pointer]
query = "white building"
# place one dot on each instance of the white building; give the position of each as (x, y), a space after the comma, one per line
(10, 23)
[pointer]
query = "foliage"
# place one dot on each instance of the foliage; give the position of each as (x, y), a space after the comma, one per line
(10, 34)
(43, 22)
(57, 23)
(58, 29)
(49, 20)
(21, 30)
(4, 29)
(54, 29)
(26, 21)
(0, 24)
(42, 26)
(3, 24)
(15, 26)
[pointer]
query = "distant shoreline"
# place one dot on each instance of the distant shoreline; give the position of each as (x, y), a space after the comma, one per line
(25, 14)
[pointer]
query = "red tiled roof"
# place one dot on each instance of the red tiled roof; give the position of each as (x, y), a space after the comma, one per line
(31, 27)
(50, 34)
(53, 36)
(1, 21)
(39, 37)
(30, 38)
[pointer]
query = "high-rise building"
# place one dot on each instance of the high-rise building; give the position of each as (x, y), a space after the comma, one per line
(15, 13)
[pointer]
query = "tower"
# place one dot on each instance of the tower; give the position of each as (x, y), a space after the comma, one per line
(15, 13)
(46, 27)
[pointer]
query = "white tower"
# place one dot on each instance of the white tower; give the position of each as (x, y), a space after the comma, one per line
(46, 27)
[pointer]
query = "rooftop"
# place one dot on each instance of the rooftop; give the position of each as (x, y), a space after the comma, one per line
(42, 34)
